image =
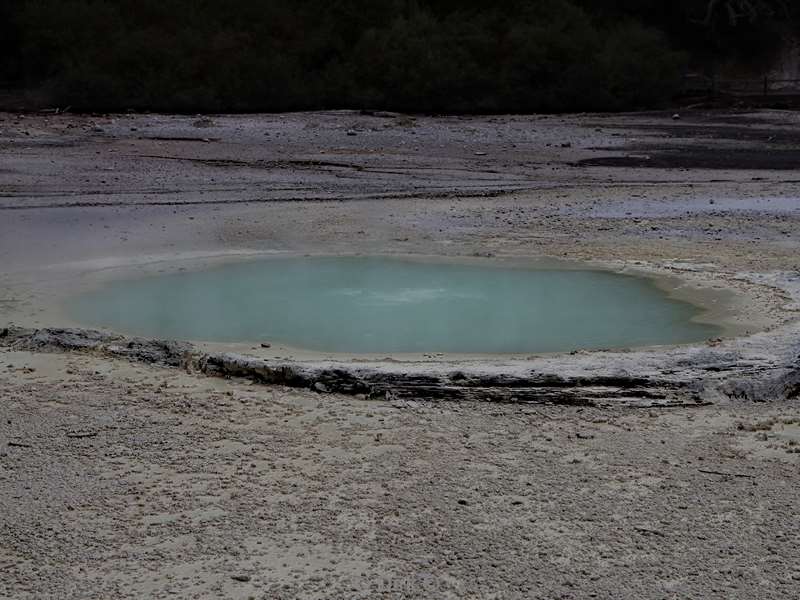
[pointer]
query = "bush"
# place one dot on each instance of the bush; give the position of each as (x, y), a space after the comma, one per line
(273, 55)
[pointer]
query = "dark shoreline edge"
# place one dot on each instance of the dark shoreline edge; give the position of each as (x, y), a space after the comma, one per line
(764, 367)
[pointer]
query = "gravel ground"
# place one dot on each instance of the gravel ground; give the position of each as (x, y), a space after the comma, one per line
(129, 482)
(121, 480)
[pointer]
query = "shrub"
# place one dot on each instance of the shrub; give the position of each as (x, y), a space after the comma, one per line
(448, 56)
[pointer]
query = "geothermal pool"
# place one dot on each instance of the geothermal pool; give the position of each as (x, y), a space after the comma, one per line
(389, 305)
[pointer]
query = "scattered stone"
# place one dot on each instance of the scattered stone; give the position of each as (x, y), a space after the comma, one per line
(242, 578)
(266, 345)
(321, 387)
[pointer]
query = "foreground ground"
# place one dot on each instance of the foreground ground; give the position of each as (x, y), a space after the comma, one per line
(128, 481)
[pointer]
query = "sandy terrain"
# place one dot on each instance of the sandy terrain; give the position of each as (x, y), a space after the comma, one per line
(124, 480)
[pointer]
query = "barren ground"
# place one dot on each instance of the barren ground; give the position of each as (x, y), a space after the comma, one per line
(120, 480)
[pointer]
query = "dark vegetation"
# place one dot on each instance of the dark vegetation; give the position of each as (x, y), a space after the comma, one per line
(411, 55)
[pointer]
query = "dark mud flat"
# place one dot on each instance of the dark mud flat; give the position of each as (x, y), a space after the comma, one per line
(709, 141)
(731, 127)
(695, 157)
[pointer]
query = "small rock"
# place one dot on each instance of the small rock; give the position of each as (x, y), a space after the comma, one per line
(676, 117)
(352, 132)
(266, 345)
(320, 387)
(242, 578)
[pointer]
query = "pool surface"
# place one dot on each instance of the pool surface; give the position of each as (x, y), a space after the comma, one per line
(368, 305)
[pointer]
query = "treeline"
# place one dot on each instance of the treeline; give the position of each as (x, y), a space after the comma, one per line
(411, 55)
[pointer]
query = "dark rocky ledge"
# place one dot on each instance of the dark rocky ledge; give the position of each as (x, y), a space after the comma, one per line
(763, 367)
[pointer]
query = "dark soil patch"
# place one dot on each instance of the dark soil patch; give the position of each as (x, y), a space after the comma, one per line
(741, 132)
(703, 158)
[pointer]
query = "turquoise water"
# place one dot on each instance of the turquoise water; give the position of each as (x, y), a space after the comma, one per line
(383, 305)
